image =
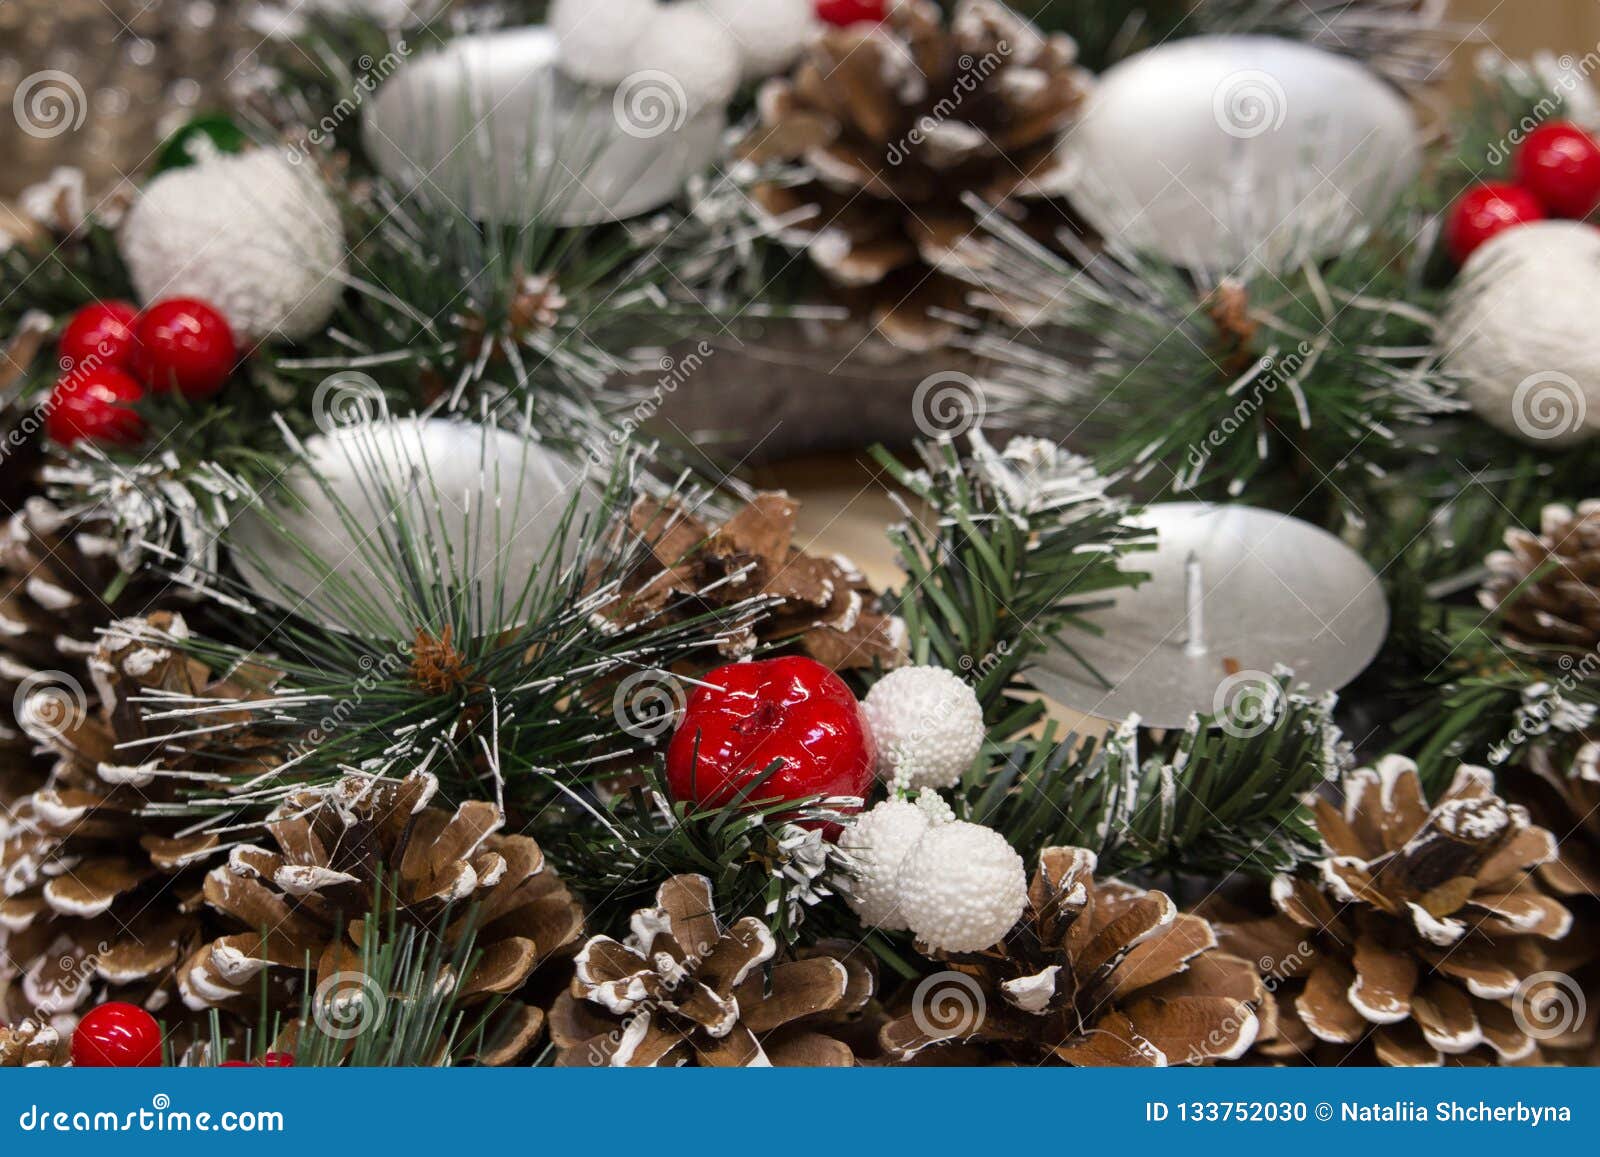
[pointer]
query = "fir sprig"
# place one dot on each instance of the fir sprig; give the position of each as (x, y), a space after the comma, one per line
(764, 859)
(1287, 387)
(514, 302)
(59, 275)
(1011, 551)
(1227, 794)
(504, 684)
(1406, 41)
(398, 1005)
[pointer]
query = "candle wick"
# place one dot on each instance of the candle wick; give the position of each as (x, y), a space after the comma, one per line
(1193, 609)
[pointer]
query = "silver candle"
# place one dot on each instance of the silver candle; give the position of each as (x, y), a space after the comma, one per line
(1234, 592)
(489, 122)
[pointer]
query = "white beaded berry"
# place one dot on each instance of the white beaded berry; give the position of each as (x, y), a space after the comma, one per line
(962, 888)
(928, 726)
(253, 235)
(696, 55)
(770, 33)
(597, 40)
(877, 843)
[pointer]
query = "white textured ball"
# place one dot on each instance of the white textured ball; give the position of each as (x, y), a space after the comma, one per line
(1216, 150)
(962, 888)
(689, 54)
(598, 36)
(1519, 332)
(878, 843)
(254, 235)
(770, 33)
(928, 726)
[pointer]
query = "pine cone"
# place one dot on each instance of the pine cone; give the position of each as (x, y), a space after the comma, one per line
(1565, 798)
(1097, 972)
(824, 606)
(100, 898)
(892, 124)
(54, 572)
(1547, 586)
(684, 989)
(33, 1045)
(1419, 929)
(367, 845)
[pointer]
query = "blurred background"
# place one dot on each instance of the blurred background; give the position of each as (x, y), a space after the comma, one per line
(147, 65)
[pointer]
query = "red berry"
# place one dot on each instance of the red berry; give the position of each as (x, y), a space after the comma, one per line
(277, 1061)
(90, 402)
(117, 1036)
(100, 334)
(1559, 163)
(791, 710)
(843, 13)
(183, 342)
(1487, 209)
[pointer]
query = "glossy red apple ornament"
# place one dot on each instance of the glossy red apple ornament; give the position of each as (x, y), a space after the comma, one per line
(748, 715)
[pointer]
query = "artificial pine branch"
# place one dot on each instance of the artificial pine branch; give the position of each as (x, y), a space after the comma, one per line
(767, 860)
(1224, 795)
(1282, 387)
(503, 684)
(57, 276)
(1012, 551)
(1406, 41)
(446, 311)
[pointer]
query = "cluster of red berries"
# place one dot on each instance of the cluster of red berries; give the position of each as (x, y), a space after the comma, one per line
(112, 353)
(1556, 173)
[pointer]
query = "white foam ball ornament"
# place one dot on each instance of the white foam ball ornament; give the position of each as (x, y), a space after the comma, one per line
(1519, 335)
(877, 843)
(928, 725)
(254, 235)
(597, 39)
(962, 887)
(770, 33)
(688, 53)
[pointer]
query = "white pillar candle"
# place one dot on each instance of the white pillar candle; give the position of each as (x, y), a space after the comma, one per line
(476, 500)
(489, 122)
(1233, 591)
